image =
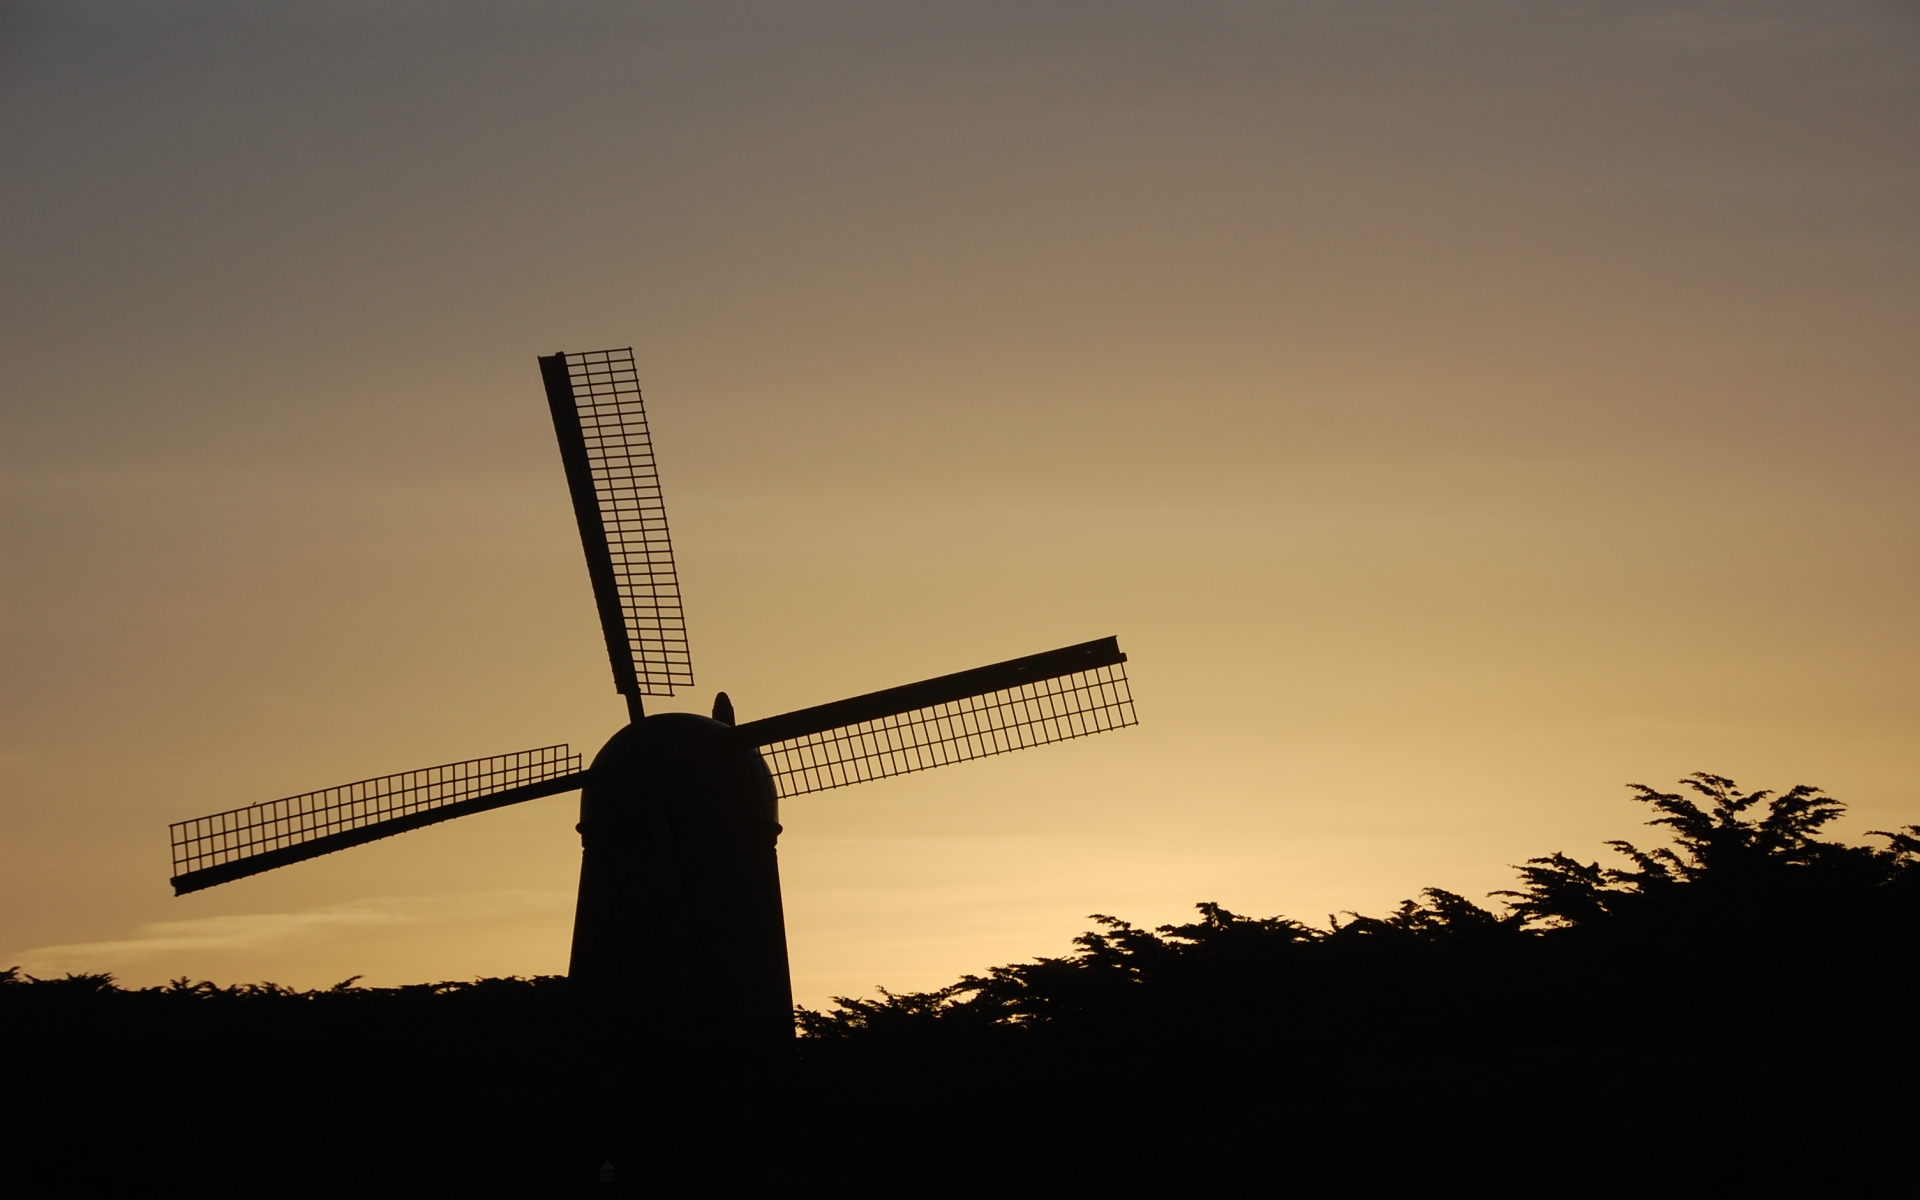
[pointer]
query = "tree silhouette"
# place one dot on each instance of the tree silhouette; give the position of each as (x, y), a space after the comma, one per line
(1704, 990)
(1722, 848)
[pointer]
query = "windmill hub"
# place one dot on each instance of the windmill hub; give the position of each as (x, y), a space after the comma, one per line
(690, 767)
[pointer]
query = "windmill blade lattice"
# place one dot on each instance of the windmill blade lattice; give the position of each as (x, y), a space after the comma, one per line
(1033, 701)
(601, 423)
(246, 841)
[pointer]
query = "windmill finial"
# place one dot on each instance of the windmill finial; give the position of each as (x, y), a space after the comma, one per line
(723, 709)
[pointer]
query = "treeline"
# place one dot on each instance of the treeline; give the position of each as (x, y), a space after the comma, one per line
(1739, 1001)
(1736, 1003)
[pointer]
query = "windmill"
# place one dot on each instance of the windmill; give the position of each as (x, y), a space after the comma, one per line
(679, 916)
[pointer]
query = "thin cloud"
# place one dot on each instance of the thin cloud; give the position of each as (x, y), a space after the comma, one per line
(255, 932)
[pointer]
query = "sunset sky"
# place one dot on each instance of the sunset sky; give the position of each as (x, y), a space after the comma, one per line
(1458, 410)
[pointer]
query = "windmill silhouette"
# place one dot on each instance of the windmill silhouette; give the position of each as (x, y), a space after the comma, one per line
(679, 917)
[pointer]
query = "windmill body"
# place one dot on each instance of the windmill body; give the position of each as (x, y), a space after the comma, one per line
(679, 923)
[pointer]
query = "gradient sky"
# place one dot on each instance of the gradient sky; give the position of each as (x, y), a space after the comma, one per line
(1457, 409)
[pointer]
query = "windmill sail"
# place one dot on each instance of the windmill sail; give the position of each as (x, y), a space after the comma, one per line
(1052, 697)
(246, 841)
(601, 424)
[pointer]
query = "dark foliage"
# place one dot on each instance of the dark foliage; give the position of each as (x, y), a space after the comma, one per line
(261, 1085)
(1737, 1004)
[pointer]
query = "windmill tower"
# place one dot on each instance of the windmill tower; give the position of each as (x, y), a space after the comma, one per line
(679, 920)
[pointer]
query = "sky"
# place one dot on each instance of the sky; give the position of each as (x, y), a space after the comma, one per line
(1458, 409)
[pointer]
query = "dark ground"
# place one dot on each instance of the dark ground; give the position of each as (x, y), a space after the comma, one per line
(1736, 1010)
